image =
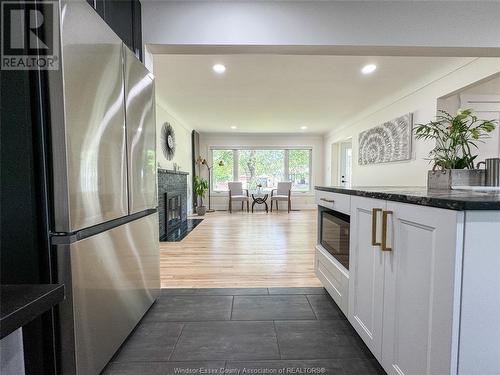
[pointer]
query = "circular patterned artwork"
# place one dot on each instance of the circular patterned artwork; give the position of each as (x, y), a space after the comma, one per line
(168, 141)
(388, 142)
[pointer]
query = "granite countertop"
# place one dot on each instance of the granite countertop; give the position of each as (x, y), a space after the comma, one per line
(450, 199)
(20, 304)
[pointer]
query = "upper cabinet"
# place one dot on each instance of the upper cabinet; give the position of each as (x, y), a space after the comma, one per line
(137, 29)
(124, 17)
(119, 16)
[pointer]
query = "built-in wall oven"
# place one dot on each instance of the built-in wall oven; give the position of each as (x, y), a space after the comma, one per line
(334, 234)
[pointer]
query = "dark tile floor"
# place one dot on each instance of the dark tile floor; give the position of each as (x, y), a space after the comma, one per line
(235, 331)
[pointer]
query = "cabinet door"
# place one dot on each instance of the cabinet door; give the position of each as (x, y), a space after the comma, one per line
(422, 273)
(366, 267)
(137, 28)
(119, 15)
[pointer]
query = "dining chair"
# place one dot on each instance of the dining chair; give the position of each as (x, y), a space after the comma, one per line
(236, 193)
(283, 193)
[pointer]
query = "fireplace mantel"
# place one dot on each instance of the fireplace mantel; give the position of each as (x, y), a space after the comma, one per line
(171, 171)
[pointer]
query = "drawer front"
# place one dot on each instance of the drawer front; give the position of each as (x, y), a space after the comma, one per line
(335, 281)
(334, 201)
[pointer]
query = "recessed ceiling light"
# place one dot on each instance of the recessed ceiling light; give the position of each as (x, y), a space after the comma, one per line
(303, 127)
(234, 127)
(370, 68)
(219, 68)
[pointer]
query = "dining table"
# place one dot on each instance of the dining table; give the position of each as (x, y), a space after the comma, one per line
(260, 197)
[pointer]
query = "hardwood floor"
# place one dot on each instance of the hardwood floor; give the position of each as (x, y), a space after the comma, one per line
(243, 250)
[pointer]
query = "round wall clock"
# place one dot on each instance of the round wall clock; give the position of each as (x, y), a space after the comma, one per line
(168, 141)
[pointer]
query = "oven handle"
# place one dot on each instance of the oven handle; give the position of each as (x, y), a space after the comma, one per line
(327, 200)
(375, 212)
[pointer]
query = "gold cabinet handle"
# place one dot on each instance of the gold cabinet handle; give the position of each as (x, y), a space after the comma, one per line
(375, 212)
(384, 231)
(327, 200)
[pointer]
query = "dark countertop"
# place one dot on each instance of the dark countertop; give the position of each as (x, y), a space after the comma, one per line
(20, 304)
(450, 199)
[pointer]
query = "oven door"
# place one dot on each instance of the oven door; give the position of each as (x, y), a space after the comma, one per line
(334, 235)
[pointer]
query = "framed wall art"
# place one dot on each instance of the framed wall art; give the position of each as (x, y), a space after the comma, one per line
(388, 142)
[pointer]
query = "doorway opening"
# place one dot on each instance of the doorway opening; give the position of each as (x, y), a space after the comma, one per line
(341, 163)
(346, 163)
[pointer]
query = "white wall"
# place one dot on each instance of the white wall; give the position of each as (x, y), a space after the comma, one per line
(342, 24)
(423, 104)
(485, 101)
(451, 103)
(488, 87)
(183, 147)
(315, 142)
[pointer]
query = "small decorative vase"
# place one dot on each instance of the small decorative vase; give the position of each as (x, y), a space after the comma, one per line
(201, 210)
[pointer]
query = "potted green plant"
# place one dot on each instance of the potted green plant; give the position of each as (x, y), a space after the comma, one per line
(200, 188)
(452, 157)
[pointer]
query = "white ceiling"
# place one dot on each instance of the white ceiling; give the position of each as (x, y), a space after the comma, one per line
(281, 93)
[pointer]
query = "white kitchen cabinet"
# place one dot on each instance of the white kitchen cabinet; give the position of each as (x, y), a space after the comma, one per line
(479, 351)
(423, 284)
(421, 289)
(366, 266)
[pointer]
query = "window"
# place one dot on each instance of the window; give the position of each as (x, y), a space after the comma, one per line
(266, 167)
(261, 167)
(299, 162)
(223, 165)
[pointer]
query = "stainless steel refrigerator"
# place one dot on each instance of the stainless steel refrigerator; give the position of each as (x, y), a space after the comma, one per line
(105, 221)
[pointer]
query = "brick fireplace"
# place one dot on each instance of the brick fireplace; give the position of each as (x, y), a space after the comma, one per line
(172, 200)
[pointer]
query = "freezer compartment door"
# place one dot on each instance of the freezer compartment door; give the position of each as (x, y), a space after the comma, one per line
(141, 134)
(91, 187)
(114, 279)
